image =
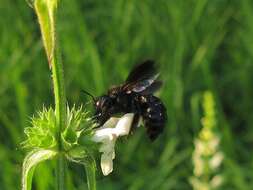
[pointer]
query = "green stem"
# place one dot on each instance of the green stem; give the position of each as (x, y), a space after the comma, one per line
(59, 90)
(60, 107)
(60, 172)
(90, 169)
(60, 111)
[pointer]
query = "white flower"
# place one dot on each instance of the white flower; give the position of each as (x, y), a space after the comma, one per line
(107, 135)
(217, 181)
(216, 160)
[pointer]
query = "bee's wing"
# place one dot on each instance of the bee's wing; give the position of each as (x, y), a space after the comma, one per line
(156, 85)
(143, 79)
(142, 71)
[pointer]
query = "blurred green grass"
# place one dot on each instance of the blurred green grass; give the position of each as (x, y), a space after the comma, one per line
(200, 45)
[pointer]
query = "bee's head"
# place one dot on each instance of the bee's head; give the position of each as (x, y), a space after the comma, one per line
(103, 106)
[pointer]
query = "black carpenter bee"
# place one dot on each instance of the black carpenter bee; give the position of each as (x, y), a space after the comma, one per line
(135, 96)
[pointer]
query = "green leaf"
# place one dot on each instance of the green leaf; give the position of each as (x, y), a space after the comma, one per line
(45, 10)
(30, 162)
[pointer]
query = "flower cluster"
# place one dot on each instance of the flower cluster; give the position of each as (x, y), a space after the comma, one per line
(46, 141)
(207, 157)
(43, 132)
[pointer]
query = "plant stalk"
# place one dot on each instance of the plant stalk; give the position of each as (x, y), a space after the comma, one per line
(60, 107)
(59, 90)
(47, 14)
(60, 112)
(90, 169)
(60, 172)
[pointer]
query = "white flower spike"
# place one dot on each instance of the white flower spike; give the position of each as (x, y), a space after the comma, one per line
(107, 135)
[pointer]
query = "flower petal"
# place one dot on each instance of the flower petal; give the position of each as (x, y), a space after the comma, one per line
(108, 135)
(103, 135)
(110, 123)
(107, 156)
(107, 146)
(123, 126)
(106, 164)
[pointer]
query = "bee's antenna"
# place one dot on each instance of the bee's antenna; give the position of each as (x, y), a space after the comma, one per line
(89, 94)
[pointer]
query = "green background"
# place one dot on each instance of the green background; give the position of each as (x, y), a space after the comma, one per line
(199, 44)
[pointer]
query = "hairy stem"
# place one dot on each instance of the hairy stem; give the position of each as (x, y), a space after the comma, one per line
(55, 62)
(60, 110)
(59, 93)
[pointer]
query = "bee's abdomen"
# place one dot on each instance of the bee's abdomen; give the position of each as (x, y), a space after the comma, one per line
(154, 115)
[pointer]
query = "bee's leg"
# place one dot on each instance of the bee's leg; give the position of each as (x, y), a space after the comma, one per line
(154, 117)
